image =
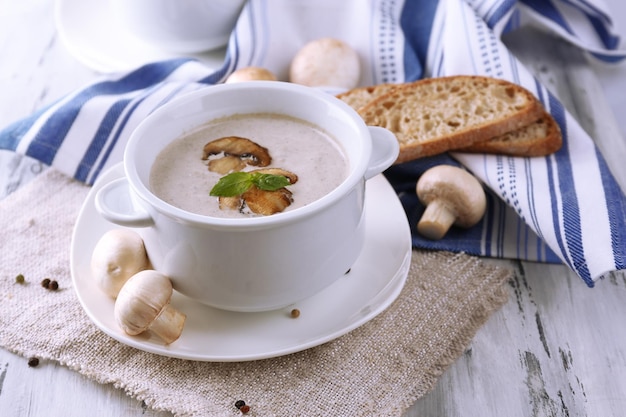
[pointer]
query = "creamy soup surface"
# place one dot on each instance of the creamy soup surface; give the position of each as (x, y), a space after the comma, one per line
(181, 177)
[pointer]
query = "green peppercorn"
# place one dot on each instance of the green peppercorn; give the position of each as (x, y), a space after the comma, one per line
(295, 313)
(19, 279)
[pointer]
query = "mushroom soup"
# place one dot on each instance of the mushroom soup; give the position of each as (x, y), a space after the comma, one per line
(281, 162)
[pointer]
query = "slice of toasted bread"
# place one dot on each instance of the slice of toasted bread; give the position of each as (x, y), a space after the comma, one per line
(435, 115)
(540, 138)
(361, 96)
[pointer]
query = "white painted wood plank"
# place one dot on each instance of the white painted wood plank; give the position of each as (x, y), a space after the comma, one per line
(555, 349)
(35, 69)
(551, 351)
(52, 390)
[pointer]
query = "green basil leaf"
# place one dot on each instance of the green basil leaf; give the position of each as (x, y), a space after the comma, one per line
(269, 182)
(233, 184)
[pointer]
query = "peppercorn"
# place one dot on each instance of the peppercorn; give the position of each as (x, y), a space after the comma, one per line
(45, 283)
(19, 279)
(33, 362)
(244, 409)
(53, 286)
(295, 313)
(239, 404)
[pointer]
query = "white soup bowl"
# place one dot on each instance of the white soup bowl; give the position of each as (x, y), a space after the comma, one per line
(258, 263)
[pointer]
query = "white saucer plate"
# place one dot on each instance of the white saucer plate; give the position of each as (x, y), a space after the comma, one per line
(210, 334)
(92, 34)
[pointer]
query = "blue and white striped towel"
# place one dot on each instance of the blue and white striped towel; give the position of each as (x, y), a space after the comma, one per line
(536, 209)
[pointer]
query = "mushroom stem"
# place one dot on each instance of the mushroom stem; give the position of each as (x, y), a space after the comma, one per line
(169, 324)
(436, 220)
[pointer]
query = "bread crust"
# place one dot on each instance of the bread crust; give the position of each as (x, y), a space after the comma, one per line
(540, 138)
(436, 115)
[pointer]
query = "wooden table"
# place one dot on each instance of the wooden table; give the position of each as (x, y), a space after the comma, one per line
(556, 348)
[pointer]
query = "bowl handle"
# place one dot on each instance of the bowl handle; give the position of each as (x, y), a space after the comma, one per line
(385, 149)
(114, 202)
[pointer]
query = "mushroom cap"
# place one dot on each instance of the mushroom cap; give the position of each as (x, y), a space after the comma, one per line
(250, 152)
(141, 300)
(455, 187)
(267, 202)
(250, 74)
(326, 62)
(118, 255)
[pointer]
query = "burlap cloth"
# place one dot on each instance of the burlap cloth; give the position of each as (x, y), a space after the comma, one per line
(378, 369)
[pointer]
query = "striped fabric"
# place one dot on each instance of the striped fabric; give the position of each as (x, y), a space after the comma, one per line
(534, 209)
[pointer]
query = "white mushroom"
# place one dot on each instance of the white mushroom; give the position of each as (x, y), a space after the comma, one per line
(326, 62)
(452, 196)
(144, 304)
(250, 74)
(236, 152)
(118, 255)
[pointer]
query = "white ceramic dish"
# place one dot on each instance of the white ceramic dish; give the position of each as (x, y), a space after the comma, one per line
(256, 263)
(91, 34)
(215, 335)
